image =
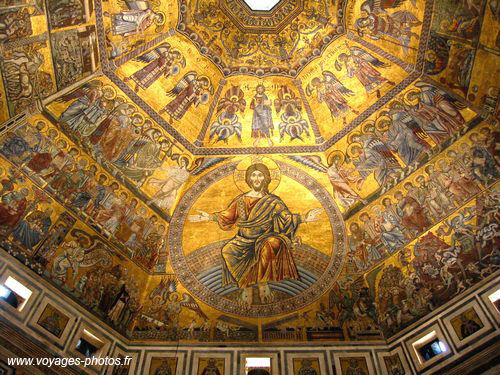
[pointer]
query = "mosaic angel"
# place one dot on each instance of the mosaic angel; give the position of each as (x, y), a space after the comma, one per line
(379, 23)
(136, 19)
(228, 123)
(333, 93)
(341, 177)
(161, 61)
(191, 90)
(292, 122)
(363, 66)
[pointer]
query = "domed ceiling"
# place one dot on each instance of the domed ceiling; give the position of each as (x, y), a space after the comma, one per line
(240, 170)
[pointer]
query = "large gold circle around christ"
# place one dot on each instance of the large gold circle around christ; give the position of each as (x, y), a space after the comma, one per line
(200, 268)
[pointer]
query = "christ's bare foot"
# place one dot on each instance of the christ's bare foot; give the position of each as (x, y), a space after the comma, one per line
(265, 293)
(246, 296)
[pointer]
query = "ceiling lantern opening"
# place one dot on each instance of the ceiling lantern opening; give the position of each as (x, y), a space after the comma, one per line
(261, 5)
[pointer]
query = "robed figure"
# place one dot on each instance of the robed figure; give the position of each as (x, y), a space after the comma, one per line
(191, 90)
(161, 61)
(261, 251)
(262, 120)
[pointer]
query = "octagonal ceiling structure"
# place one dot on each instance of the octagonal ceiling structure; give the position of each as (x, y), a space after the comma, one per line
(329, 96)
(322, 78)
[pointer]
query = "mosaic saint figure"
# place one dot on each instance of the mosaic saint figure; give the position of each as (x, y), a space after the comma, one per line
(306, 368)
(261, 251)
(190, 90)
(87, 109)
(379, 23)
(168, 187)
(404, 135)
(332, 92)
(164, 369)
(363, 66)
(341, 177)
(262, 120)
(161, 61)
(30, 231)
(437, 111)
(211, 368)
(136, 19)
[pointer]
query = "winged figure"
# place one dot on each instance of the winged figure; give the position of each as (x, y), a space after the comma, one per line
(167, 288)
(189, 303)
(333, 93)
(232, 102)
(164, 289)
(341, 177)
(378, 22)
(136, 18)
(292, 122)
(228, 123)
(342, 299)
(161, 61)
(363, 66)
(190, 90)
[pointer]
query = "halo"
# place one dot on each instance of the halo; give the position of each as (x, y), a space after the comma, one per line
(108, 92)
(367, 124)
(352, 135)
(382, 123)
(163, 19)
(377, 209)
(410, 99)
(330, 157)
(137, 119)
(351, 146)
(241, 170)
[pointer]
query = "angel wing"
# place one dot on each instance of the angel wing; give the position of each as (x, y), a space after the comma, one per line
(81, 91)
(189, 303)
(332, 81)
(356, 287)
(164, 289)
(311, 161)
(204, 164)
(335, 296)
(381, 6)
(97, 254)
(383, 151)
(425, 87)
(183, 83)
(136, 4)
(404, 16)
(154, 54)
(362, 54)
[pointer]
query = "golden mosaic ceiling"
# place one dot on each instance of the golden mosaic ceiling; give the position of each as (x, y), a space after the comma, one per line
(140, 134)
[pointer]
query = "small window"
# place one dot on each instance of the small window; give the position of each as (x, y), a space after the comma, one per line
(429, 346)
(88, 345)
(431, 349)
(14, 293)
(258, 366)
(495, 299)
